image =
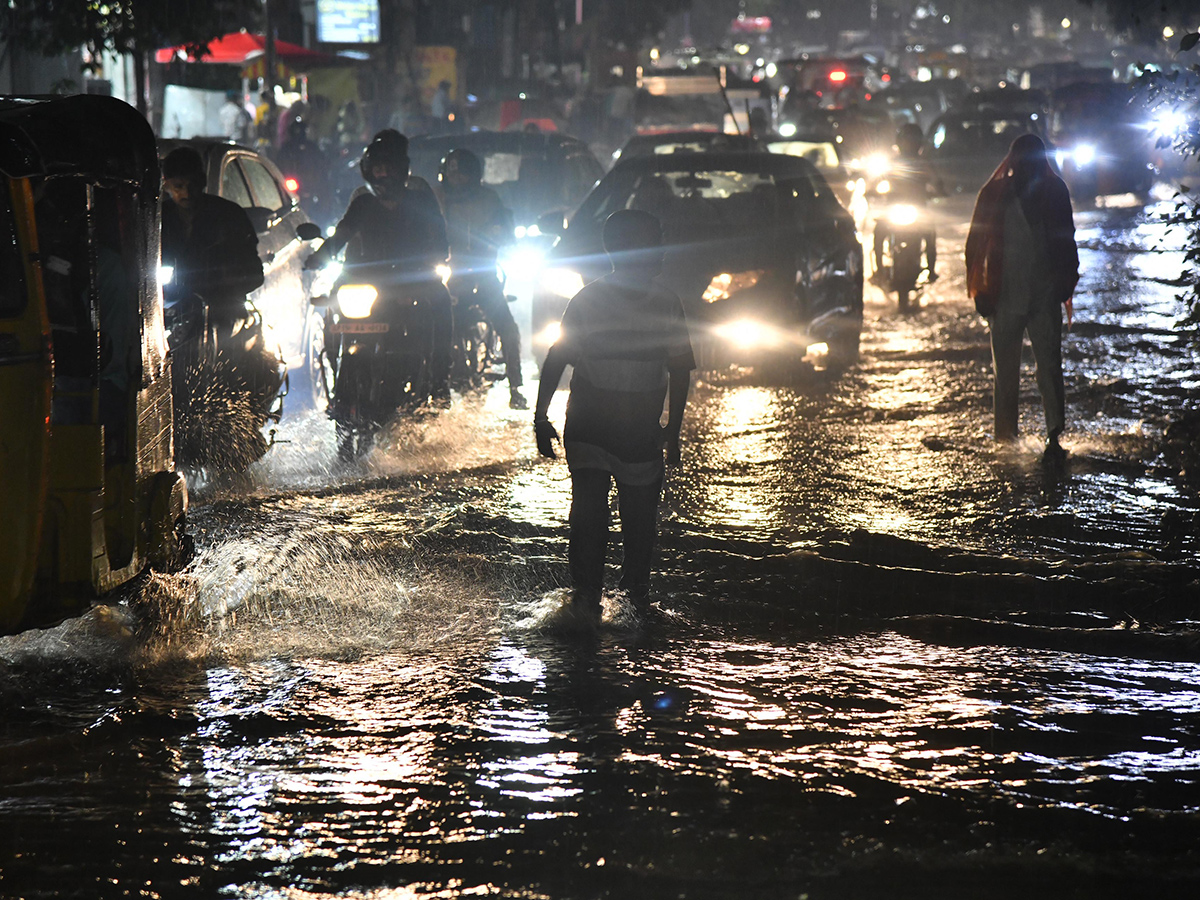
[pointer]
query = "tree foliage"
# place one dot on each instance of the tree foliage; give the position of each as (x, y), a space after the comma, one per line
(54, 27)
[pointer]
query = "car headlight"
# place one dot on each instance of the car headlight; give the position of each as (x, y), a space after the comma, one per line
(749, 333)
(356, 300)
(903, 214)
(523, 262)
(562, 282)
(443, 272)
(1169, 122)
(1084, 155)
(549, 335)
(725, 284)
(877, 164)
(884, 187)
(787, 129)
(166, 274)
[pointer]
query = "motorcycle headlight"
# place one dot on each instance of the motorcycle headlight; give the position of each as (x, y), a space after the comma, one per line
(903, 214)
(356, 300)
(562, 282)
(877, 164)
(787, 129)
(749, 333)
(1084, 155)
(725, 284)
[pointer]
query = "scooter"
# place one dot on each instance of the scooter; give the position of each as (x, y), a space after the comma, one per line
(903, 234)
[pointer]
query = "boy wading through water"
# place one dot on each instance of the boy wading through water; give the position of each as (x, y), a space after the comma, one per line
(627, 339)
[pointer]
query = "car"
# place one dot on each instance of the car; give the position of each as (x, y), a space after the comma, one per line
(254, 183)
(533, 172)
(765, 259)
(708, 141)
(965, 147)
(1102, 138)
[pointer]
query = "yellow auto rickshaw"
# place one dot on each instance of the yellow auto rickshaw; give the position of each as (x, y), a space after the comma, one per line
(89, 495)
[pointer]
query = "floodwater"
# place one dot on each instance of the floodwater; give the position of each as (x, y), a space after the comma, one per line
(885, 658)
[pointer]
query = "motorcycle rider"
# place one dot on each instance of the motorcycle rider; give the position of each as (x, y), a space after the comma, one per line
(477, 224)
(911, 180)
(391, 222)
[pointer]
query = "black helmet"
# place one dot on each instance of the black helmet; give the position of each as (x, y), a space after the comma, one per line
(184, 162)
(387, 152)
(465, 163)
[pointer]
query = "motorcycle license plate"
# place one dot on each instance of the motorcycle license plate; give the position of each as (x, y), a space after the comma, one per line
(359, 327)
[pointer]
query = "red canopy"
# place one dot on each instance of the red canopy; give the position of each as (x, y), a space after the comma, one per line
(240, 46)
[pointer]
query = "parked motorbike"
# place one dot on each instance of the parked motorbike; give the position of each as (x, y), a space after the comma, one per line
(227, 383)
(379, 325)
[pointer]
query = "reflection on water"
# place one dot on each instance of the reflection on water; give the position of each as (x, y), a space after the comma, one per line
(531, 766)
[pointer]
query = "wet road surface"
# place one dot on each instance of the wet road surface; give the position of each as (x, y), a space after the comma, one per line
(885, 656)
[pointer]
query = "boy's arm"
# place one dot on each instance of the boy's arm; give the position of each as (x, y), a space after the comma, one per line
(552, 372)
(679, 382)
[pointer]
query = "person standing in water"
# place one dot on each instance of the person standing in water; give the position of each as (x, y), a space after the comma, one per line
(627, 339)
(1022, 268)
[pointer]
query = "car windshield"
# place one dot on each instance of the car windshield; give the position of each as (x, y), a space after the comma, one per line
(966, 136)
(704, 202)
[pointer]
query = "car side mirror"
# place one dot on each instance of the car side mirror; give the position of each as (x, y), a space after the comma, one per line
(308, 231)
(552, 222)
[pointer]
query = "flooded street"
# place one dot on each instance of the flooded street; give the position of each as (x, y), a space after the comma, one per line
(885, 657)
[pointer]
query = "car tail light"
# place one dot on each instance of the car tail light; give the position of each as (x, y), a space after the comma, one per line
(837, 75)
(292, 184)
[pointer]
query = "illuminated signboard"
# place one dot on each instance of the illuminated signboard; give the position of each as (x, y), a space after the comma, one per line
(348, 21)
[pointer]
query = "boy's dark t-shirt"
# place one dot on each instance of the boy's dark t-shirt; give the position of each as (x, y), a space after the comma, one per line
(622, 341)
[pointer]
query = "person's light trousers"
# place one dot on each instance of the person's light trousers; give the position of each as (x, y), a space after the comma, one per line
(1044, 325)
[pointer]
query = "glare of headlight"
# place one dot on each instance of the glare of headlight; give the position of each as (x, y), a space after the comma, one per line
(520, 231)
(1169, 122)
(818, 349)
(903, 214)
(523, 263)
(330, 231)
(165, 274)
(883, 187)
(724, 284)
(562, 282)
(549, 335)
(1085, 155)
(443, 272)
(877, 164)
(772, 70)
(747, 333)
(787, 129)
(533, 231)
(356, 300)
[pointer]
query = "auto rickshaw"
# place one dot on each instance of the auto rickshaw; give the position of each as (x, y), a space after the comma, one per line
(89, 495)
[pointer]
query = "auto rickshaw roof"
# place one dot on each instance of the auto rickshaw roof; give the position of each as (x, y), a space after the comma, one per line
(98, 136)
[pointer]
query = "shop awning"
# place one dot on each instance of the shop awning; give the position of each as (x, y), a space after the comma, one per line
(241, 47)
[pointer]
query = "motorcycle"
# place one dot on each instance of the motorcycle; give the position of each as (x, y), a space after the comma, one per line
(476, 343)
(379, 329)
(228, 383)
(903, 232)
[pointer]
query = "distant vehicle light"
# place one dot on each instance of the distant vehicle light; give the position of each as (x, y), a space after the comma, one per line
(725, 284)
(443, 272)
(772, 70)
(787, 129)
(903, 214)
(837, 76)
(166, 274)
(562, 282)
(877, 164)
(292, 185)
(356, 300)
(749, 333)
(1084, 155)
(549, 335)
(884, 187)
(1169, 122)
